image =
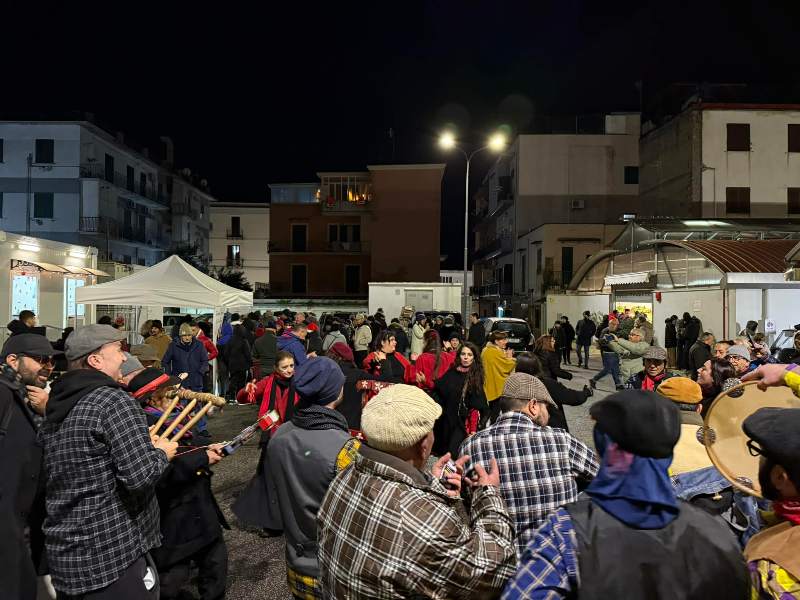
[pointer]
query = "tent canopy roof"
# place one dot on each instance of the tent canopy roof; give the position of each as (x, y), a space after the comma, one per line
(172, 282)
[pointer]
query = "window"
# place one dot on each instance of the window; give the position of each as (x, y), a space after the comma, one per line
(333, 233)
(109, 168)
(143, 184)
(129, 178)
(739, 137)
(299, 279)
(356, 233)
(538, 260)
(236, 226)
(523, 268)
(71, 309)
(631, 175)
(24, 294)
(44, 151)
(352, 279)
(343, 237)
(793, 130)
(737, 200)
(566, 264)
(43, 205)
(1, 150)
(234, 258)
(793, 201)
(299, 237)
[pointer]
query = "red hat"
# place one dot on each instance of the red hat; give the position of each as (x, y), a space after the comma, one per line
(342, 350)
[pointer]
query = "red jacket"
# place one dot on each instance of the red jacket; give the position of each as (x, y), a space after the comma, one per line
(425, 363)
(263, 390)
(400, 358)
(209, 345)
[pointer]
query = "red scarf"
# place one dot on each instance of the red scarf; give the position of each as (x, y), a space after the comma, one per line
(788, 509)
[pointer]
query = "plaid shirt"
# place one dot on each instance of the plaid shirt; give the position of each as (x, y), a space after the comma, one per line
(548, 569)
(102, 512)
(538, 467)
(385, 530)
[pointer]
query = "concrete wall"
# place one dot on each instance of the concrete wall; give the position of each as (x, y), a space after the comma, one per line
(706, 305)
(254, 226)
(768, 169)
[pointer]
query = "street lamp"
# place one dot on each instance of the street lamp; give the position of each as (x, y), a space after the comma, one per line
(447, 141)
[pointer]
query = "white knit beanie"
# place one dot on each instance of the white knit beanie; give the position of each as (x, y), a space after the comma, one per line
(398, 417)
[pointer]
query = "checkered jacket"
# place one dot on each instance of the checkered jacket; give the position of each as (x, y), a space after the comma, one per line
(538, 467)
(385, 530)
(102, 512)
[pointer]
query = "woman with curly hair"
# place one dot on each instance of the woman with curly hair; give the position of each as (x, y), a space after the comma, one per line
(460, 394)
(712, 377)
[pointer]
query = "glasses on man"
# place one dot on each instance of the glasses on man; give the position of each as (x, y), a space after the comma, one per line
(42, 360)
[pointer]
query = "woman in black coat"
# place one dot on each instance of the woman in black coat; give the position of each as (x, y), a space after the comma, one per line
(561, 394)
(545, 351)
(239, 359)
(460, 394)
(351, 397)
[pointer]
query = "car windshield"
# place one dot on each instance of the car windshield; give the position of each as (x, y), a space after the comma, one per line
(514, 329)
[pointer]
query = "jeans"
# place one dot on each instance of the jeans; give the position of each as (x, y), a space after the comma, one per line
(610, 367)
(585, 347)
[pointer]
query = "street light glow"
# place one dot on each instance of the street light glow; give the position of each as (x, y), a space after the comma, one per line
(447, 140)
(497, 142)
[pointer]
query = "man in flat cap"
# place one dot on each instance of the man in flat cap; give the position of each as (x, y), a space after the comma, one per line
(27, 359)
(539, 465)
(387, 529)
(102, 468)
(629, 537)
(773, 555)
(655, 370)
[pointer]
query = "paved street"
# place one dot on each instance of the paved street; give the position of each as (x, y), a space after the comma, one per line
(256, 563)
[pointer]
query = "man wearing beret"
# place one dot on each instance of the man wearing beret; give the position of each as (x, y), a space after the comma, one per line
(774, 554)
(304, 456)
(26, 365)
(387, 529)
(102, 468)
(539, 465)
(655, 370)
(629, 537)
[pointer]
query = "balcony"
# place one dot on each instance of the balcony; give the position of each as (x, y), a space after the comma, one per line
(237, 262)
(320, 247)
(182, 209)
(234, 234)
(497, 247)
(340, 205)
(492, 289)
(120, 180)
(112, 229)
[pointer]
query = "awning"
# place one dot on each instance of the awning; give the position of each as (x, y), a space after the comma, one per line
(628, 278)
(42, 266)
(96, 272)
(75, 270)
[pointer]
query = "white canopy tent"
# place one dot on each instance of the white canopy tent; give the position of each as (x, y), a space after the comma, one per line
(172, 282)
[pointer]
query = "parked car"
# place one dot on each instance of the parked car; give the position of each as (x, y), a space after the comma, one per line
(783, 348)
(519, 333)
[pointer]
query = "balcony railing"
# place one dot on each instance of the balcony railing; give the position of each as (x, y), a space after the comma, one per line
(492, 289)
(497, 247)
(234, 234)
(114, 230)
(98, 171)
(331, 204)
(321, 246)
(237, 262)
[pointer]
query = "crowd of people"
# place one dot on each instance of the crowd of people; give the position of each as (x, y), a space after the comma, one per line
(397, 460)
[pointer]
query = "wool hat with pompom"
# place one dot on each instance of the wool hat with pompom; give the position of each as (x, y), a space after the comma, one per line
(398, 417)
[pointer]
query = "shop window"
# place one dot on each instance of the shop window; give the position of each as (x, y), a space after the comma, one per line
(71, 309)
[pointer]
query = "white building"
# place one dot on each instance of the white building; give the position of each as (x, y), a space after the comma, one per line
(75, 183)
(42, 276)
(724, 161)
(455, 276)
(240, 238)
(549, 202)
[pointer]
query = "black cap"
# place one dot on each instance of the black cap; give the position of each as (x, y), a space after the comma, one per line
(775, 430)
(28, 343)
(146, 378)
(640, 421)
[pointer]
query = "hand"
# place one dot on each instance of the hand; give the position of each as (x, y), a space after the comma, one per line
(453, 480)
(446, 345)
(491, 477)
(380, 355)
(183, 376)
(767, 375)
(509, 353)
(250, 388)
(420, 378)
(169, 448)
(214, 453)
(37, 398)
(414, 357)
(311, 355)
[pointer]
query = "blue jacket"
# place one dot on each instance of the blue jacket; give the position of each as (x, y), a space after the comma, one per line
(192, 359)
(289, 342)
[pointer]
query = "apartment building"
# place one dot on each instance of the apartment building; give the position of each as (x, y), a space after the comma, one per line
(239, 240)
(329, 239)
(722, 160)
(549, 202)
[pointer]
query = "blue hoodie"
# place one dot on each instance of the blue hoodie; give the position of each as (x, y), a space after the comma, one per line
(289, 342)
(189, 358)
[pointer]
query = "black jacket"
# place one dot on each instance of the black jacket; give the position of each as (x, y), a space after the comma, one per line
(699, 353)
(562, 395)
(449, 429)
(477, 334)
(21, 493)
(190, 516)
(401, 337)
(670, 334)
(314, 342)
(559, 334)
(351, 397)
(551, 363)
(693, 329)
(585, 331)
(237, 351)
(16, 327)
(264, 350)
(569, 332)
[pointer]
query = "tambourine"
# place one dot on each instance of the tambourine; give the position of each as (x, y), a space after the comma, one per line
(724, 439)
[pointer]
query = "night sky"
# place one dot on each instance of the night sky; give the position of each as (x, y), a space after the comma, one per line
(258, 94)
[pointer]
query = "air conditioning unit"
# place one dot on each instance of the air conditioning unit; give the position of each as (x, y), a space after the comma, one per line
(576, 204)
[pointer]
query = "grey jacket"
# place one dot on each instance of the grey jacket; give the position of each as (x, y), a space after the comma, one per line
(630, 356)
(332, 338)
(304, 457)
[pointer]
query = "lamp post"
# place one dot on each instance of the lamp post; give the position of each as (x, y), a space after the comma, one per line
(447, 141)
